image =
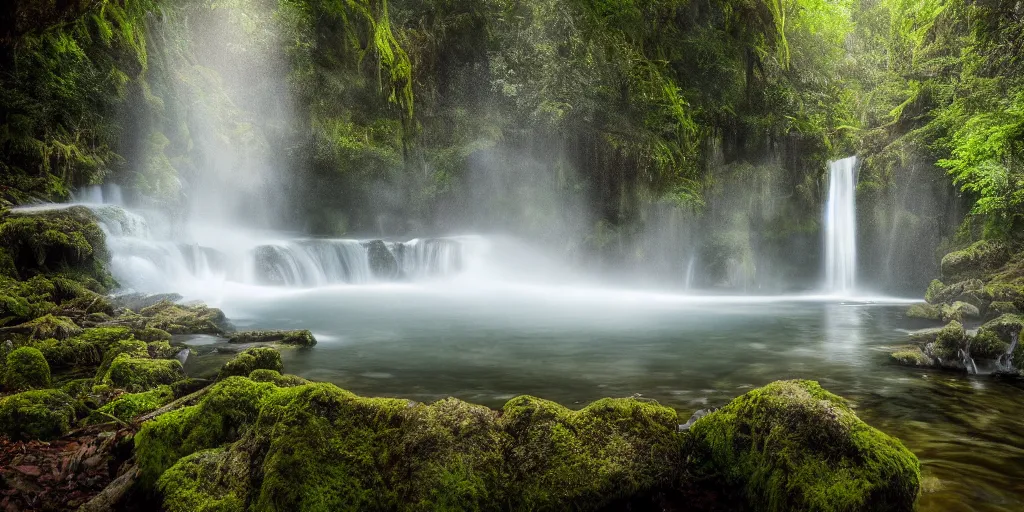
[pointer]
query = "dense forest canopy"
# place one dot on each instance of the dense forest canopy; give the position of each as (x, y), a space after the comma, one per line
(597, 127)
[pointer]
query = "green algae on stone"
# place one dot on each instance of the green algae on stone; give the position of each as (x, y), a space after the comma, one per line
(950, 340)
(42, 414)
(259, 358)
(26, 368)
(131, 405)
(299, 338)
(793, 446)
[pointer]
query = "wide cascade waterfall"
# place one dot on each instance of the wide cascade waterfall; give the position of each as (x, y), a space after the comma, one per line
(841, 227)
(149, 254)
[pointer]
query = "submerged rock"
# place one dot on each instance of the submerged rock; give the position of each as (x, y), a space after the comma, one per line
(254, 444)
(793, 446)
(913, 356)
(300, 338)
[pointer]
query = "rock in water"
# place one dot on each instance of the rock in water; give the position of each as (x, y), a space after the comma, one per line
(299, 338)
(270, 265)
(382, 263)
(791, 445)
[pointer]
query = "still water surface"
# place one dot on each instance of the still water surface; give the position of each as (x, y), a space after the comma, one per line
(485, 344)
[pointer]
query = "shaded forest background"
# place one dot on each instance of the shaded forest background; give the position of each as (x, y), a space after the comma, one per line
(635, 136)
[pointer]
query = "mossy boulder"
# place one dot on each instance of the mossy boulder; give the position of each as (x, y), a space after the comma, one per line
(131, 405)
(42, 414)
(1005, 326)
(793, 446)
(50, 326)
(299, 338)
(259, 358)
(182, 319)
(949, 342)
(161, 350)
(924, 311)
(999, 308)
(959, 311)
(26, 368)
(136, 374)
(987, 345)
(912, 356)
(57, 240)
(934, 292)
(981, 257)
(277, 378)
(149, 334)
(130, 347)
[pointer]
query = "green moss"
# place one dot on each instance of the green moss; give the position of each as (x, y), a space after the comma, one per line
(131, 347)
(43, 414)
(793, 446)
(137, 374)
(949, 342)
(161, 350)
(220, 417)
(50, 326)
(975, 260)
(7, 268)
(105, 336)
(152, 334)
(1005, 326)
(178, 319)
(934, 291)
(300, 338)
(21, 301)
(26, 368)
(69, 353)
(613, 448)
(187, 386)
(77, 388)
(959, 311)
(284, 381)
(259, 358)
(999, 308)
(212, 480)
(130, 405)
(925, 311)
(987, 345)
(63, 239)
(912, 357)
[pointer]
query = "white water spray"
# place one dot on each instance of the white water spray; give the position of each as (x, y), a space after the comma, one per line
(841, 227)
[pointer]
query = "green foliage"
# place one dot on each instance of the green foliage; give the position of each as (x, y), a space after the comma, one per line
(44, 414)
(26, 368)
(793, 446)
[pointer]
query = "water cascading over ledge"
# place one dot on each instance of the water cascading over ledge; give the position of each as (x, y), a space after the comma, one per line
(841, 227)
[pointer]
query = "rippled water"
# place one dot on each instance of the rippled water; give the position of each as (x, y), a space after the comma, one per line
(574, 345)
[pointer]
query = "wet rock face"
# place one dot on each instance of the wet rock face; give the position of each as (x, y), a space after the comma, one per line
(383, 264)
(298, 338)
(270, 265)
(273, 442)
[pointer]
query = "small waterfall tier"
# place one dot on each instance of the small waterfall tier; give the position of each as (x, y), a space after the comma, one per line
(841, 227)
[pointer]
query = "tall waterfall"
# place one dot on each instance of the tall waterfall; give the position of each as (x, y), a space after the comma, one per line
(841, 226)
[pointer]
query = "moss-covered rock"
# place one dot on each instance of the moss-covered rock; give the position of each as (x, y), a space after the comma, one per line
(130, 347)
(26, 368)
(277, 378)
(924, 311)
(793, 446)
(57, 240)
(214, 480)
(999, 308)
(612, 449)
(959, 311)
(183, 319)
(980, 257)
(223, 414)
(69, 353)
(259, 358)
(912, 357)
(188, 386)
(1005, 326)
(130, 405)
(136, 374)
(161, 350)
(299, 338)
(932, 294)
(987, 345)
(50, 326)
(150, 334)
(950, 341)
(41, 414)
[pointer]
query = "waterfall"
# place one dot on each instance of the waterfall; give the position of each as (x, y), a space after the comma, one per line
(688, 282)
(841, 227)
